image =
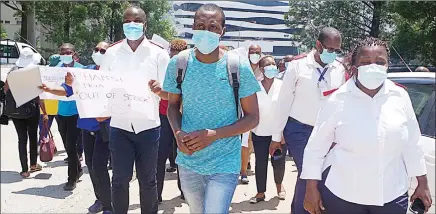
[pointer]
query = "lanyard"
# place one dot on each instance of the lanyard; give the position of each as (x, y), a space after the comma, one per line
(321, 74)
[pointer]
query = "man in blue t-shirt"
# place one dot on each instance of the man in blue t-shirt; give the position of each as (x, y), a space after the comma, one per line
(208, 130)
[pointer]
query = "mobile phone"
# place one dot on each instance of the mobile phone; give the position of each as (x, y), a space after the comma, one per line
(417, 206)
(277, 154)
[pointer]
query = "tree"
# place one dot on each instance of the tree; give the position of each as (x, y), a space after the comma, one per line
(355, 19)
(21, 10)
(84, 24)
(415, 34)
(3, 34)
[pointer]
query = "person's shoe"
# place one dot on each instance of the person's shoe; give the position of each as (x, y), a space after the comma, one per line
(256, 200)
(244, 179)
(66, 160)
(96, 207)
(107, 212)
(249, 166)
(171, 169)
(70, 186)
(159, 200)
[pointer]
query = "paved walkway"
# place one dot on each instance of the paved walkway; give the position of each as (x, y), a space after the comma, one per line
(43, 193)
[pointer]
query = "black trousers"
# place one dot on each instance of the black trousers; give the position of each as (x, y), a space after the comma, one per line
(261, 151)
(166, 147)
(27, 129)
(70, 133)
(96, 158)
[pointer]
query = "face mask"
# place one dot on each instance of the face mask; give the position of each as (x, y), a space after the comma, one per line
(97, 57)
(205, 41)
(133, 31)
(271, 71)
(327, 57)
(372, 76)
(66, 59)
(254, 58)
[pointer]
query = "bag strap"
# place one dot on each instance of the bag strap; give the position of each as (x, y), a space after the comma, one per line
(182, 64)
(46, 130)
(233, 60)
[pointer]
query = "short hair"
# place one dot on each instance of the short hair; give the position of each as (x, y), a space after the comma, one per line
(262, 60)
(350, 60)
(213, 8)
(67, 45)
(178, 44)
(141, 13)
(328, 32)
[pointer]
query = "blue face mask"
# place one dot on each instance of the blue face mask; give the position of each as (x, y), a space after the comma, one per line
(327, 57)
(133, 31)
(66, 59)
(271, 71)
(205, 41)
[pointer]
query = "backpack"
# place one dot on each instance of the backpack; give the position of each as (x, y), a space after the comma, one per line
(25, 111)
(232, 70)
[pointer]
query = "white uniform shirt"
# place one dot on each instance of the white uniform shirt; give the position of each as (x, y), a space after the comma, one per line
(267, 105)
(147, 58)
(377, 145)
(301, 95)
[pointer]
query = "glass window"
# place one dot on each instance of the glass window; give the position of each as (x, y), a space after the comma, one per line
(420, 95)
(7, 22)
(8, 51)
(430, 129)
(285, 50)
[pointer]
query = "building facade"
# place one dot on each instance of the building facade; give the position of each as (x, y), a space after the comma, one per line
(247, 22)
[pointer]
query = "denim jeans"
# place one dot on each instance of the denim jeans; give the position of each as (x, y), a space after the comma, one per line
(128, 148)
(96, 158)
(208, 193)
(296, 135)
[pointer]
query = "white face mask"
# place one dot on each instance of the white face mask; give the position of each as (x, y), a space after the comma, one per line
(254, 58)
(372, 76)
(97, 57)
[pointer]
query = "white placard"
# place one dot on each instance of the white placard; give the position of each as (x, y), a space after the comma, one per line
(104, 94)
(53, 77)
(24, 83)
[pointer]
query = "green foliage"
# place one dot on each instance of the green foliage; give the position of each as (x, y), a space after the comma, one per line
(85, 23)
(3, 34)
(355, 19)
(415, 36)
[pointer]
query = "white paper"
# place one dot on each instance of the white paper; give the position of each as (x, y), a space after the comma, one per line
(53, 77)
(104, 94)
(24, 83)
(160, 40)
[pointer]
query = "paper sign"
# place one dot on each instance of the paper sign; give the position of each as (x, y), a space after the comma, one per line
(160, 40)
(108, 94)
(53, 77)
(24, 83)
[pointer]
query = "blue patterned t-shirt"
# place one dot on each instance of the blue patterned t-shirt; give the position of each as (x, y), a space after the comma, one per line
(209, 103)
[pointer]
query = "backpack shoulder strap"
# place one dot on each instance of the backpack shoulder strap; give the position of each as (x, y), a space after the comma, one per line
(233, 61)
(182, 64)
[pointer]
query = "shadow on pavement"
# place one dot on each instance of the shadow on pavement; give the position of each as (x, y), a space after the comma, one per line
(54, 164)
(43, 176)
(167, 206)
(8, 177)
(245, 206)
(51, 191)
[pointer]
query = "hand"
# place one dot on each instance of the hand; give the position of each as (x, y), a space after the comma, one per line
(101, 119)
(154, 86)
(69, 79)
(182, 146)
(312, 200)
(44, 88)
(54, 60)
(274, 146)
(198, 140)
(422, 192)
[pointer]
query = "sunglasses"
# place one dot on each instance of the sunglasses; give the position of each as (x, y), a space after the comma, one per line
(101, 50)
(331, 50)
